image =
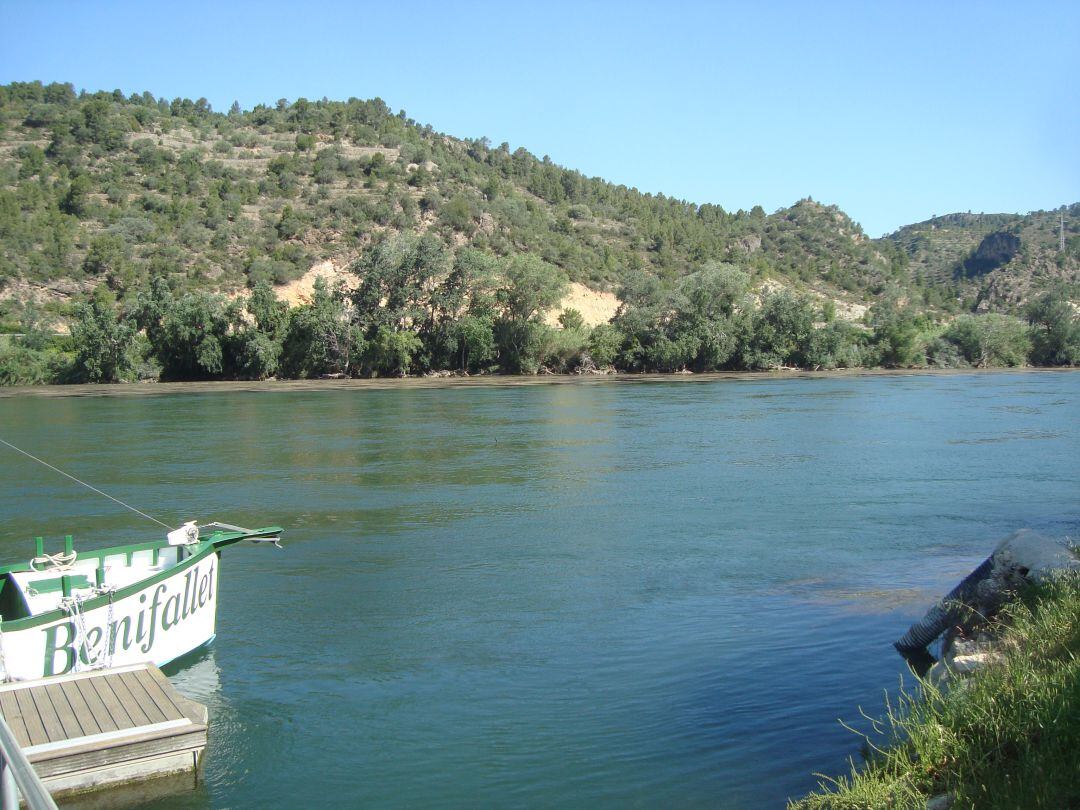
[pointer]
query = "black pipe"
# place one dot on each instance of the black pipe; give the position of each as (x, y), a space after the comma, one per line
(946, 613)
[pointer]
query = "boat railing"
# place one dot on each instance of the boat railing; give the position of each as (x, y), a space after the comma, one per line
(275, 540)
(18, 777)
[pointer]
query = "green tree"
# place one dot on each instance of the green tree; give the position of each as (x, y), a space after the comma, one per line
(475, 339)
(896, 334)
(1055, 330)
(186, 335)
(663, 329)
(74, 200)
(532, 286)
(780, 332)
(458, 214)
(319, 338)
(104, 344)
(100, 126)
(253, 344)
(33, 160)
(270, 314)
(249, 354)
(990, 340)
(714, 292)
(397, 276)
(605, 343)
(107, 255)
(391, 351)
(466, 290)
(836, 344)
(290, 225)
(705, 330)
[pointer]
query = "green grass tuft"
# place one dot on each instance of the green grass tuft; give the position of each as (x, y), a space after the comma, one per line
(1007, 737)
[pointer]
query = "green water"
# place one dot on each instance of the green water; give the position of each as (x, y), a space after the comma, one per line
(556, 596)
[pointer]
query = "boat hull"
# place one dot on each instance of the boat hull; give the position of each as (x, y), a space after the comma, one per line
(166, 617)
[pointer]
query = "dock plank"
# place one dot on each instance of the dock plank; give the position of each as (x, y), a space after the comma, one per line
(9, 707)
(69, 720)
(80, 708)
(139, 694)
(159, 696)
(113, 704)
(86, 730)
(95, 706)
(35, 731)
(128, 702)
(49, 717)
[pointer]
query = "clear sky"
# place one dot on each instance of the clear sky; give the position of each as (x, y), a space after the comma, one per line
(893, 111)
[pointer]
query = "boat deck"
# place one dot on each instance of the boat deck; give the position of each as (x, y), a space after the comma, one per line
(90, 729)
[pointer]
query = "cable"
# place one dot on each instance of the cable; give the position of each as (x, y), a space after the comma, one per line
(94, 489)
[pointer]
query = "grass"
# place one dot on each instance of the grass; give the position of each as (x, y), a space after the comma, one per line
(1007, 737)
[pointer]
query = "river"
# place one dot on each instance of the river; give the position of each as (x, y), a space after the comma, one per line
(576, 595)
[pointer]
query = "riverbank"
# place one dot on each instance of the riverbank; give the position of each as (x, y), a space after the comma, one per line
(1005, 738)
(480, 381)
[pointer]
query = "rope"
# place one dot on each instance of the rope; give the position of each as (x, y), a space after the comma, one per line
(70, 605)
(55, 562)
(93, 489)
(3, 662)
(73, 605)
(110, 643)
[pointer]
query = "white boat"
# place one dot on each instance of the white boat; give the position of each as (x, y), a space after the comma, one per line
(150, 602)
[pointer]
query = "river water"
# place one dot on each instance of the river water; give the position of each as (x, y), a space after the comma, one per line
(573, 595)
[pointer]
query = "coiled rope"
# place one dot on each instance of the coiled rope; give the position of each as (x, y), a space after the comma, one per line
(60, 561)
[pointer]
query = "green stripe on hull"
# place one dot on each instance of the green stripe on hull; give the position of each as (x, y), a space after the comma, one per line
(196, 552)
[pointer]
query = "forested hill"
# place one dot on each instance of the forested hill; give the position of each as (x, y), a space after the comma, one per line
(993, 262)
(103, 197)
(104, 187)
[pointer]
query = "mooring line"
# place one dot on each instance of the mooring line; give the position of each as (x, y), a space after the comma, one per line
(94, 489)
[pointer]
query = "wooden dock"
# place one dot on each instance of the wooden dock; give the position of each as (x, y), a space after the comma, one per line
(104, 727)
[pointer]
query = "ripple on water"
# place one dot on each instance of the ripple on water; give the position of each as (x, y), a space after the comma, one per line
(639, 595)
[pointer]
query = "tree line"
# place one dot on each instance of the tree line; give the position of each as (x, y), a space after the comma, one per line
(417, 307)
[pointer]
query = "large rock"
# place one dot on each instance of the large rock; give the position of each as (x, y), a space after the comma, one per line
(1034, 556)
(995, 250)
(963, 615)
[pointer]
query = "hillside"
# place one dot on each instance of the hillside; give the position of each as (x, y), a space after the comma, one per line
(99, 187)
(136, 204)
(992, 262)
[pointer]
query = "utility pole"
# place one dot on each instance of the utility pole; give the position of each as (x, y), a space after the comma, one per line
(1062, 242)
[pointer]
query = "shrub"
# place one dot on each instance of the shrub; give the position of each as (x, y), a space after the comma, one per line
(104, 345)
(990, 340)
(1055, 330)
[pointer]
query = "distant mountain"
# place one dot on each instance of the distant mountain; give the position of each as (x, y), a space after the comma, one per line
(103, 192)
(993, 262)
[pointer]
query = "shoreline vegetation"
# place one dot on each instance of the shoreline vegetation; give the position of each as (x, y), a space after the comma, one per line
(418, 309)
(1005, 737)
(434, 381)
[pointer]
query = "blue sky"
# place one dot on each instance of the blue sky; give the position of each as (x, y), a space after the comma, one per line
(893, 111)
